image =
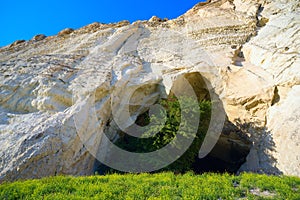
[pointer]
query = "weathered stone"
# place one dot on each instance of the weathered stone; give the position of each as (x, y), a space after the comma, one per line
(93, 27)
(66, 31)
(39, 37)
(155, 19)
(17, 42)
(122, 23)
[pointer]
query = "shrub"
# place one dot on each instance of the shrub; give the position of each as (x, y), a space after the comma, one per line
(171, 130)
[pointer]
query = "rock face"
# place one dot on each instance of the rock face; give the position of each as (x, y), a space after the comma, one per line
(248, 51)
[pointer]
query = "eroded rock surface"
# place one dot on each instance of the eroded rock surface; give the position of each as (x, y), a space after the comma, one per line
(247, 50)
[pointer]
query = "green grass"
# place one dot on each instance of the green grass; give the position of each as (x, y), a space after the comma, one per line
(155, 186)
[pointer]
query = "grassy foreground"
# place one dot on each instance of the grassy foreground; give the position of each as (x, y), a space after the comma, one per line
(156, 186)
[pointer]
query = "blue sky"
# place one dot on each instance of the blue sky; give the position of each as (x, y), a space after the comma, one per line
(24, 19)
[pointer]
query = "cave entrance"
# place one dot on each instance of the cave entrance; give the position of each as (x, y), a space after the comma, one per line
(228, 154)
(232, 147)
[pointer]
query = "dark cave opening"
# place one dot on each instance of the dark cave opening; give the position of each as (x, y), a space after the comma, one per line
(232, 147)
(228, 154)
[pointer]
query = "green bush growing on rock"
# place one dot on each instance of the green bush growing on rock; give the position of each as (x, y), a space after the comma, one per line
(171, 130)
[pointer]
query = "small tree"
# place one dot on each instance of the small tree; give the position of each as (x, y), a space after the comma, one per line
(171, 130)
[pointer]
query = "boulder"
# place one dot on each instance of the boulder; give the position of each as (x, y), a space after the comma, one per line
(66, 31)
(17, 42)
(39, 37)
